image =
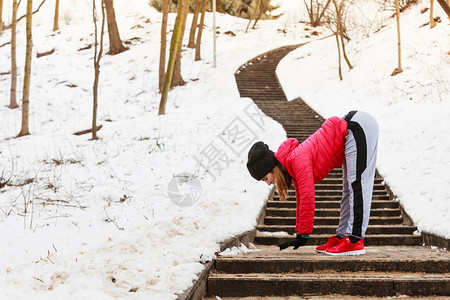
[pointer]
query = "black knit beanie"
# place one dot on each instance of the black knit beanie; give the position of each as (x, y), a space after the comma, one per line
(261, 160)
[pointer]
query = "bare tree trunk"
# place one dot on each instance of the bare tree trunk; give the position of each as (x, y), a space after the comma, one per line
(250, 17)
(340, 29)
(197, 10)
(445, 6)
(162, 54)
(1, 16)
(320, 16)
(339, 12)
(177, 79)
(397, 12)
(27, 77)
(97, 58)
(315, 15)
(172, 57)
(198, 43)
(13, 101)
(309, 10)
(258, 15)
(344, 53)
(55, 20)
(115, 43)
(339, 56)
(219, 6)
(432, 22)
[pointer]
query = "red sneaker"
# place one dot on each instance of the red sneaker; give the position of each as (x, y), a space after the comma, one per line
(345, 247)
(332, 241)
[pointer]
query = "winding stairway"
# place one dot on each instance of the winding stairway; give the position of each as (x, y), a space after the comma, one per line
(395, 263)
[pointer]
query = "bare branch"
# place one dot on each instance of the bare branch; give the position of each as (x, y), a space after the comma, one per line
(7, 43)
(39, 7)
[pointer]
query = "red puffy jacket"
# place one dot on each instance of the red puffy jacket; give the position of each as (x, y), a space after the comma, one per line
(309, 162)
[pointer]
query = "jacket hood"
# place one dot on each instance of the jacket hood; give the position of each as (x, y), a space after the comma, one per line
(285, 149)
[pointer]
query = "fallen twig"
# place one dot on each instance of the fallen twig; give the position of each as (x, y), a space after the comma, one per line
(88, 130)
(38, 279)
(45, 53)
(7, 43)
(86, 48)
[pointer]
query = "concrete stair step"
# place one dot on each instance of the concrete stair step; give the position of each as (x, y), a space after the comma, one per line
(331, 220)
(253, 84)
(288, 114)
(381, 259)
(269, 238)
(339, 192)
(331, 230)
(292, 197)
(263, 92)
(305, 122)
(331, 204)
(327, 180)
(311, 124)
(283, 111)
(247, 86)
(330, 212)
(331, 296)
(367, 284)
(332, 186)
(249, 76)
(263, 89)
(335, 175)
(299, 136)
(384, 271)
(289, 121)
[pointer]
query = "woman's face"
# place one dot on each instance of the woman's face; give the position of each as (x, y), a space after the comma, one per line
(269, 178)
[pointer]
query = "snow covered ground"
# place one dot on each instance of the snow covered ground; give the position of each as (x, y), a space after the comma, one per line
(85, 219)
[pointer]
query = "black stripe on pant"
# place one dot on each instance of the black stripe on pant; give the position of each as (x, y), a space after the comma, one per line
(361, 163)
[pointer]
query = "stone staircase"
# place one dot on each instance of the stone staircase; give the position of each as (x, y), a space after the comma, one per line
(383, 271)
(395, 264)
(385, 228)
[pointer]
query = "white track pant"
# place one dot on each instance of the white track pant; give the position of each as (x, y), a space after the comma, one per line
(358, 174)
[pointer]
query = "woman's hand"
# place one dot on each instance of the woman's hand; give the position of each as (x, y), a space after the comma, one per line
(300, 240)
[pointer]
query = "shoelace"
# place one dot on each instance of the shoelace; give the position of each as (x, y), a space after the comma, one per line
(341, 242)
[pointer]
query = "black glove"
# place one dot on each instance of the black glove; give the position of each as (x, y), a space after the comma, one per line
(299, 241)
